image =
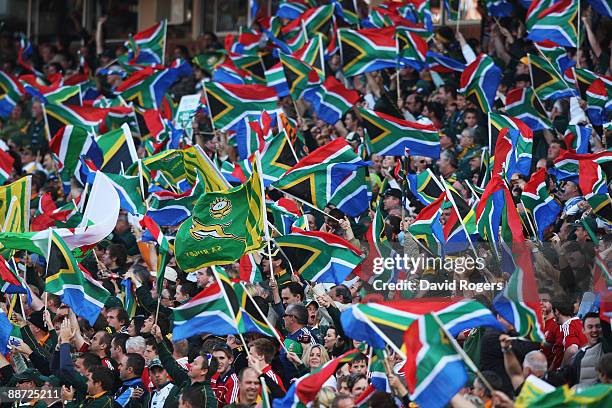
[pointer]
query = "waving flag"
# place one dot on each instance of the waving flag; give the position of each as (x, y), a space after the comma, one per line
(6, 166)
(598, 102)
(228, 104)
(64, 278)
(15, 205)
(557, 23)
(480, 80)
(533, 11)
(603, 7)
(305, 390)
(427, 227)
(316, 20)
(379, 247)
(499, 8)
(58, 115)
(147, 87)
(118, 150)
(164, 248)
(547, 82)
(347, 10)
(513, 144)
(147, 47)
(367, 50)
(537, 201)
(332, 174)
(224, 226)
(10, 282)
(567, 164)
(523, 104)
(460, 226)
(412, 48)
(496, 209)
(577, 138)
(424, 186)
(442, 64)
(320, 256)
(277, 157)
(300, 76)
(383, 324)
(170, 209)
(592, 183)
(388, 135)
(555, 54)
(585, 78)
(11, 92)
(519, 302)
(208, 312)
(292, 9)
(331, 100)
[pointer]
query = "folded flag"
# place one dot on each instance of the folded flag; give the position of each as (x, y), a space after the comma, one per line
(224, 226)
(66, 279)
(164, 248)
(523, 104)
(390, 136)
(6, 328)
(316, 20)
(332, 174)
(479, 82)
(538, 202)
(379, 247)
(367, 50)
(566, 165)
(292, 9)
(519, 302)
(557, 23)
(319, 256)
(499, 8)
(347, 10)
(412, 48)
(546, 81)
(513, 145)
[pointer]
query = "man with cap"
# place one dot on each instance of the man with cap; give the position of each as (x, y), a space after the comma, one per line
(164, 392)
(572, 198)
(28, 380)
(314, 320)
(586, 229)
(36, 334)
(392, 200)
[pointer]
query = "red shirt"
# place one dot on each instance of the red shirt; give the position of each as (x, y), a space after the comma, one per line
(572, 333)
(225, 387)
(553, 350)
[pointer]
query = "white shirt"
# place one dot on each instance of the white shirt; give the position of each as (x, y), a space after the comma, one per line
(158, 397)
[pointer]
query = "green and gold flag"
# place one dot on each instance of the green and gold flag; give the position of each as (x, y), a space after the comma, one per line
(15, 205)
(224, 225)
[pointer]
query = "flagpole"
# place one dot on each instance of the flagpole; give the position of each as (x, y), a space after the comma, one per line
(308, 204)
(535, 228)
(459, 15)
(264, 317)
(553, 67)
(140, 179)
(229, 306)
(578, 40)
(452, 200)
(468, 361)
(291, 144)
